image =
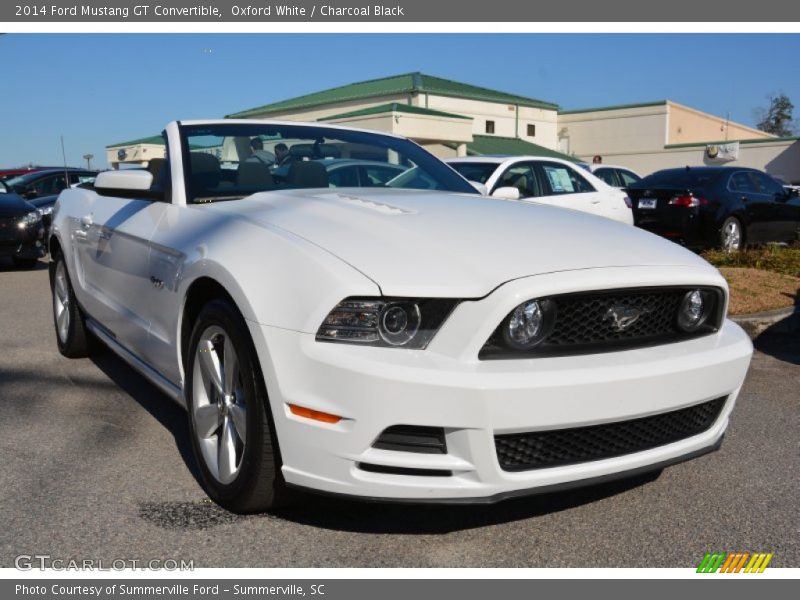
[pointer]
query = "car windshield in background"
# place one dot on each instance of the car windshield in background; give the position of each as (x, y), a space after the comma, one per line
(478, 172)
(236, 160)
(682, 178)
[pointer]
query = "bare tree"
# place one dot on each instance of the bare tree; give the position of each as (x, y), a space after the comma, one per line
(777, 118)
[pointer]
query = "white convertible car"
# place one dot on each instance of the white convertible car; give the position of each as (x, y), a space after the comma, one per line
(545, 181)
(406, 341)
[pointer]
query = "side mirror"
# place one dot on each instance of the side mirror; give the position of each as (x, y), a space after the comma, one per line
(506, 193)
(484, 191)
(128, 183)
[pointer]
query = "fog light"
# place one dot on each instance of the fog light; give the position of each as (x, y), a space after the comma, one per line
(529, 324)
(694, 311)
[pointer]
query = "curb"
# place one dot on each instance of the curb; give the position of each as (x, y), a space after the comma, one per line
(782, 320)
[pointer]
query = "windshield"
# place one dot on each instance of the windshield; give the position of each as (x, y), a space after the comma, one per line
(229, 161)
(20, 179)
(475, 171)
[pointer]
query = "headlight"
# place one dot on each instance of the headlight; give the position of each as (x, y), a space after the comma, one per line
(695, 309)
(32, 218)
(394, 322)
(529, 324)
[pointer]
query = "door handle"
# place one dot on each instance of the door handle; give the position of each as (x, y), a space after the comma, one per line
(745, 199)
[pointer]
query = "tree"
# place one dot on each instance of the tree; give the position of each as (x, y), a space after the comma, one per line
(777, 119)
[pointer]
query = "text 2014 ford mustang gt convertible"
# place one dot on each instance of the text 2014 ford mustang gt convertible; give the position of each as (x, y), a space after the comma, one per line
(387, 333)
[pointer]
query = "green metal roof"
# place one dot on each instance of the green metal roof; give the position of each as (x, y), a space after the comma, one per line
(493, 144)
(153, 139)
(408, 83)
(395, 107)
(614, 107)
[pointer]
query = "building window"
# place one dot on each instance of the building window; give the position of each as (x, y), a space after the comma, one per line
(489, 126)
(531, 130)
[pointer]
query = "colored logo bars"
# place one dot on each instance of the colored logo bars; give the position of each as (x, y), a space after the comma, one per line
(734, 562)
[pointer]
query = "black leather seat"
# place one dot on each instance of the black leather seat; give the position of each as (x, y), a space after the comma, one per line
(254, 176)
(307, 174)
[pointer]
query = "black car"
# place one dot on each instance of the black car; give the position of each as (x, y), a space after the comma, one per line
(48, 182)
(726, 207)
(46, 204)
(21, 230)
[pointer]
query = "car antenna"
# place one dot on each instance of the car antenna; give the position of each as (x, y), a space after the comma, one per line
(64, 156)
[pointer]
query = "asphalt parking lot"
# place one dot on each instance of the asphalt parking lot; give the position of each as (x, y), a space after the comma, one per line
(97, 465)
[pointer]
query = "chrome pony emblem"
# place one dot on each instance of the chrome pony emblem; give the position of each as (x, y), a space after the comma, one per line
(622, 316)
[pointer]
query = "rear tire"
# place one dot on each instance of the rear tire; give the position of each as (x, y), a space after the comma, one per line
(68, 319)
(731, 235)
(233, 435)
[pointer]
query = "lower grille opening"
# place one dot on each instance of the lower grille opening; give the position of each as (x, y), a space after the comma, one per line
(404, 471)
(554, 448)
(412, 438)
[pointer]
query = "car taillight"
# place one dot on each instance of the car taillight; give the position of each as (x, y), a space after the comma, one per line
(688, 201)
(628, 202)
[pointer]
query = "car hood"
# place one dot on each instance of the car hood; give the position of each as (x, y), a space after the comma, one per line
(12, 204)
(453, 245)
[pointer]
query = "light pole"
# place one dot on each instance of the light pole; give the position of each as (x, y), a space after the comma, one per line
(88, 158)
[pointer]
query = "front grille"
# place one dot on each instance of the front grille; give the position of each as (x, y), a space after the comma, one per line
(584, 322)
(8, 229)
(542, 449)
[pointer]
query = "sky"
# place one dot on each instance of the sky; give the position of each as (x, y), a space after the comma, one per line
(97, 89)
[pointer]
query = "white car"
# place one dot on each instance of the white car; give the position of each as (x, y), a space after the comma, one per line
(545, 181)
(614, 175)
(415, 341)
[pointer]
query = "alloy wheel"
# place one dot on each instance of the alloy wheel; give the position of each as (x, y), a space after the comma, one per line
(731, 236)
(219, 407)
(61, 302)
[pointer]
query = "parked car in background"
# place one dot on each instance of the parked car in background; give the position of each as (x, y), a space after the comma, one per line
(47, 182)
(545, 181)
(21, 230)
(413, 341)
(46, 204)
(725, 207)
(351, 172)
(615, 176)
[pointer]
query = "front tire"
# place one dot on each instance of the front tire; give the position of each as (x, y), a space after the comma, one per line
(70, 322)
(731, 235)
(231, 427)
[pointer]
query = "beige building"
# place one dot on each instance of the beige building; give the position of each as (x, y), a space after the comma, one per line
(454, 119)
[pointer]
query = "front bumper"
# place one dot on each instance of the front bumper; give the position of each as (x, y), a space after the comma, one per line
(25, 243)
(447, 386)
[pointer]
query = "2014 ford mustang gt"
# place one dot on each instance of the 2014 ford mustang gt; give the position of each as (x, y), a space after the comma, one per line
(392, 337)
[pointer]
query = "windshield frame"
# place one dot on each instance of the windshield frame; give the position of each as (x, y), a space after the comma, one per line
(441, 172)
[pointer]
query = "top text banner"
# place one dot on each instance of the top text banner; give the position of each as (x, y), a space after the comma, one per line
(342, 11)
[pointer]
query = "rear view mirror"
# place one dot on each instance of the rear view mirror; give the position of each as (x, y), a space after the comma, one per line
(124, 180)
(506, 193)
(130, 183)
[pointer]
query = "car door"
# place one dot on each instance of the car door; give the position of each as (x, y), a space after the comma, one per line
(627, 178)
(781, 224)
(608, 175)
(523, 176)
(744, 192)
(565, 187)
(112, 251)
